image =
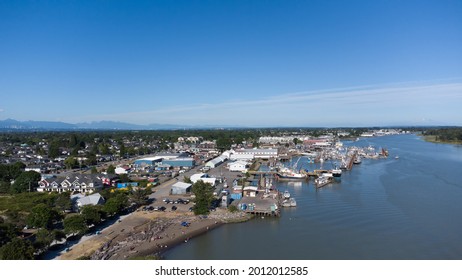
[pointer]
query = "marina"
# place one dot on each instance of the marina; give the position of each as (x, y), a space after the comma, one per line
(381, 209)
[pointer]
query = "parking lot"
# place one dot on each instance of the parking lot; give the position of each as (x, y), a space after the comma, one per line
(162, 197)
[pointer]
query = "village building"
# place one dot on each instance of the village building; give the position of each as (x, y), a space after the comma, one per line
(203, 177)
(80, 200)
(181, 188)
(250, 154)
(72, 183)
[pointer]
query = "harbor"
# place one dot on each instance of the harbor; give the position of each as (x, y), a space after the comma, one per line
(380, 209)
(265, 199)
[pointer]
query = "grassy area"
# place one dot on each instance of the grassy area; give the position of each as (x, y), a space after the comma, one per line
(434, 139)
(24, 202)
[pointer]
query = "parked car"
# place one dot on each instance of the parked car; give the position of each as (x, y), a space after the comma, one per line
(174, 208)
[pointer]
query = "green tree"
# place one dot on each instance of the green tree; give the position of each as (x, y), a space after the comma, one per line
(63, 202)
(26, 181)
(111, 169)
(91, 214)
(53, 150)
(71, 162)
(7, 232)
(75, 225)
(58, 234)
(223, 143)
(5, 187)
(104, 149)
(17, 249)
(42, 216)
(115, 204)
(187, 179)
(123, 151)
(91, 160)
(139, 196)
(16, 169)
(204, 197)
(43, 238)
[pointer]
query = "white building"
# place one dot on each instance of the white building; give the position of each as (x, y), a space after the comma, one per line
(121, 170)
(204, 177)
(240, 166)
(250, 154)
(181, 188)
(216, 161)
(79, 200)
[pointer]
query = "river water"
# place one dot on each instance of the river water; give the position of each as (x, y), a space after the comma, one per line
(406, 208)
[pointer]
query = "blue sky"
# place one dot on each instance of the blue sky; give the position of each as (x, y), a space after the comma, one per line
(253, 63)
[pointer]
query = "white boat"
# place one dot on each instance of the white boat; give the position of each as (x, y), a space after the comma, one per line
(286, 194)
(287, 173)
(357, 160)
(336, 172)
(322, 180)
(291, 202)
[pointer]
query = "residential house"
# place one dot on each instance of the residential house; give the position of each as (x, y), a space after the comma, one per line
(72, 183)
(80, 200)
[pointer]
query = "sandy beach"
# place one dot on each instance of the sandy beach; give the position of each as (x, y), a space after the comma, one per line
(148, 233)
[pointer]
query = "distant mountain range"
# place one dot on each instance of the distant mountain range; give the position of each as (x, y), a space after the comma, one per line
(10, 124)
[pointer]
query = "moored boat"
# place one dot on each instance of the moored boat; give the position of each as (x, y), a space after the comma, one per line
(291, 202)
(287, 173)
(322, 180)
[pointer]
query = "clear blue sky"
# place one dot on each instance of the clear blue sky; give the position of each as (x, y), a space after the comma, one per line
(256, 63)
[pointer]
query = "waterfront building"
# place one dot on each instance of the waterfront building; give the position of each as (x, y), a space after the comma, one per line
(239, 166)
(250, 154)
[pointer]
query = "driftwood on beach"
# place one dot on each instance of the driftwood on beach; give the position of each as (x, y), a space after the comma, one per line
(161, 233)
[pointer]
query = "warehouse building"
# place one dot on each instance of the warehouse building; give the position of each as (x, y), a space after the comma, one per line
(216, 161)
(181, 188)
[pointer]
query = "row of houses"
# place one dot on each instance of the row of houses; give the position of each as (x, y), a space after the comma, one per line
(83, 183)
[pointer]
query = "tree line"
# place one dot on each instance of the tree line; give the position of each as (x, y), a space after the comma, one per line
(49, 218)
(450, 134)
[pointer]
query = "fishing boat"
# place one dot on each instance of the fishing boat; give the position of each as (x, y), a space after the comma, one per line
(336, 172)
(357, 160)
(287, 173)
(321, 181)
(291, 173)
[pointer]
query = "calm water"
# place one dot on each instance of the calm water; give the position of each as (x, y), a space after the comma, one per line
(410, 208)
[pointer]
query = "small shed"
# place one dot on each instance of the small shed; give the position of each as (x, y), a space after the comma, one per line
(181, 188)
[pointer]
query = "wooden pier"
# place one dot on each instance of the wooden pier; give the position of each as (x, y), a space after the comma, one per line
(351, 161)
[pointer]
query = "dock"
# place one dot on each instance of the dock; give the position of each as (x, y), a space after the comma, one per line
(261, 206)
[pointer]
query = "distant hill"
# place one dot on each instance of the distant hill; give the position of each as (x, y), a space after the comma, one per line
(14, 125)
(11, 124)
